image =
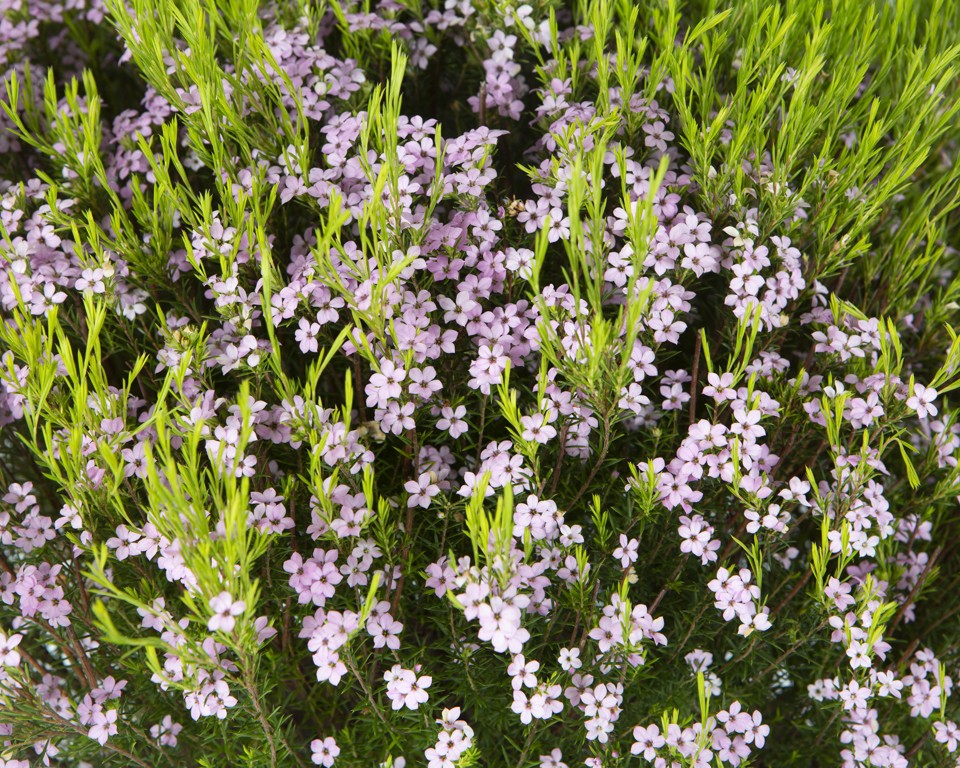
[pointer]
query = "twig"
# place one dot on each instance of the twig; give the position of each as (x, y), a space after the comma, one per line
(250, 683)
(466, 667)
(788, 652)
(108, 745)
(666, 587)
(483, 420)
(948, 615)
(482, 104)
(369, 694)
(693, 380)
(408, 538)
(576, 624)
(528, 744)
(83, 659)
(823, 731)
(915, 747)
(797, 587)
(908, 651)
(561, 453)
(693, 625)
(916, 589)
(604, 448)
(361, 401)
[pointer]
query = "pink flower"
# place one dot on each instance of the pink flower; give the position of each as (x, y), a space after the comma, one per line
(553, 760)
(523, 672)
(452, 420)
(627, 551)
(922, 401)
(405, 689)
(421, 490)
(500, 624)
(488, 368)
(757, 732)
(947, 733)
(536, 430)
(225, 610)
(104, 725)
(646, 741)
(306, 335)
(324, 751)
(697, 535)
(522, 706)
(9, 656)
(569, 659)
(385, 385)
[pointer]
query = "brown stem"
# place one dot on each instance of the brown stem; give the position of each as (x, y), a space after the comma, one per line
(108, 745)
(916, 589)
(527, 744)
(482, 105)
(32, 661)
(414, 450)
(783, 656)
(576, 624)
(790, 595)
(915, 747)
(483, 420)
(84, 599)
(693, 625)
(408, 538)
(285, 629)
(466, 667)
(369, 694)
(948, 615)
(666, 587)
(693, 380)
(908, 651)
(250, 684)
(80, 661)
(83, 658)
(561, 454)
(752, 644)
(261, 718)
(731, 544)
(604, 447)
(361, 402)
(823, 731)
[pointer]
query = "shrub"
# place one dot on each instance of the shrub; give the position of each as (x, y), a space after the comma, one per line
(479, 383)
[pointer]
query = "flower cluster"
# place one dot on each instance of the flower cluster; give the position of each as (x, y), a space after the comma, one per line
(579, 381)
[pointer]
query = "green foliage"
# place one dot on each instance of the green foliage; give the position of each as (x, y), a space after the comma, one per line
(832, 126)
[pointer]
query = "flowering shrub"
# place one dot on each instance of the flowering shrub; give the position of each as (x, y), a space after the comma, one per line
(479, 383)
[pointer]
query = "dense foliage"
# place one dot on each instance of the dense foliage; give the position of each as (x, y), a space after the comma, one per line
(479, 383)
